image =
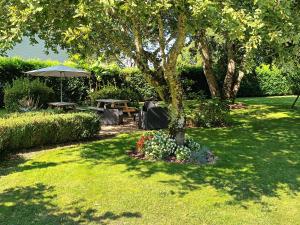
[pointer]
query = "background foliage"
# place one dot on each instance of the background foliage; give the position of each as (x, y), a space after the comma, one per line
(22, 88)
(265, 80)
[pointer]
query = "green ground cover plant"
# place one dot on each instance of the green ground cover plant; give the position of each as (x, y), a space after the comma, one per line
(254, 181)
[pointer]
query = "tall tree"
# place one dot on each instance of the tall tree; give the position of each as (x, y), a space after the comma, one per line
(238, 30)
(152, 33)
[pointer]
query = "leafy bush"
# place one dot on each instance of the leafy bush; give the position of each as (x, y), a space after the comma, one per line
(112, 92)
(26, 130)
(294, 80)
(211, 113)
(136, 81)
(24, 88)
(194, 82)
(266, 80)
(75, 89)
(272, 80)
(160, 146)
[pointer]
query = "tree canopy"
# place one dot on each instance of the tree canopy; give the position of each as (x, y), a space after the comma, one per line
(153, 33)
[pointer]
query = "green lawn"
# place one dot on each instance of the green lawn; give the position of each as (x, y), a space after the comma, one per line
(255, 181)
(2, 112)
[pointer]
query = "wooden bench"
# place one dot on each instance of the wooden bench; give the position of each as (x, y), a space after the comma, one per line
(96, 109)
(130, 110)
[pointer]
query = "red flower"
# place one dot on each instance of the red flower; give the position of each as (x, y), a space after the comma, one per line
(141, 142)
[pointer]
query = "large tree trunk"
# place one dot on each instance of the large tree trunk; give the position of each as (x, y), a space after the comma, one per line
(229, 78)
(177, 123)
(208, 65)
(166, 69)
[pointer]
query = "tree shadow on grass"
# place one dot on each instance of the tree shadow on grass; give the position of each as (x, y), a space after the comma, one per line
(16, 164)
(34, 205)
(254, 161)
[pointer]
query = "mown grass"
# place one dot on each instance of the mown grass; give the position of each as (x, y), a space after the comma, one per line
(255, 181)
(3, 112)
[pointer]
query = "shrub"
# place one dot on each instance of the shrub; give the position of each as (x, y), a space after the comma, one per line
(294, 80)
(75, 89)
(211, 113)
(136, 81)
(194, 82)
(24, 88)
(160, 146)
(26, 130)
(112, 92)
(266, 80)
(272, 80)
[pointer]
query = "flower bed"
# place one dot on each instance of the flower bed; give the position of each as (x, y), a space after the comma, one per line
(160, 146)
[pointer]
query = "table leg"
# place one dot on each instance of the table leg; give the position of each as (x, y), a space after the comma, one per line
(126, 108)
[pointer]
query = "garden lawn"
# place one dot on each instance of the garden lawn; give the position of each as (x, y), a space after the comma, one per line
(3, 112)
(255, 181)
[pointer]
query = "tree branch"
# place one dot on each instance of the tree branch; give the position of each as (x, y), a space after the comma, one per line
(161, 39)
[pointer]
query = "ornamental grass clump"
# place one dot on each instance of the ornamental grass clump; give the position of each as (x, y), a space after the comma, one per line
(161, 146)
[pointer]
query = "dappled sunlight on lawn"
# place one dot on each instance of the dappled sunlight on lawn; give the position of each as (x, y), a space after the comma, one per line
(256, 178)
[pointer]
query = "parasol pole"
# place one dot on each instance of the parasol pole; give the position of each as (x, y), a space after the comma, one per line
(60, 86)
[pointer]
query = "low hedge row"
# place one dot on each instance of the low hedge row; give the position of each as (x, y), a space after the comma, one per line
(27, 130)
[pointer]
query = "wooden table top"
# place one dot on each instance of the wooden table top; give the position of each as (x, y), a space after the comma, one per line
(112, 101)
(62, 104)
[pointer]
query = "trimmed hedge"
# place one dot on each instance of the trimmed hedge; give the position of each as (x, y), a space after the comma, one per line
(112, 92)
(77, 89)
(27, 130)
(265, 81)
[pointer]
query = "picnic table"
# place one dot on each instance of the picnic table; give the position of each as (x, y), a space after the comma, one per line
(62, 105)
(114, 104)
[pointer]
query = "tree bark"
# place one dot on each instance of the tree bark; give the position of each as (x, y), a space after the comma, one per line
(154, 77)
(208, 65)
(166, 71)
(229, 78)
(237, 84)
(177, 124)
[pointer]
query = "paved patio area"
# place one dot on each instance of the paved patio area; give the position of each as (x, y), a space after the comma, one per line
(128, 126)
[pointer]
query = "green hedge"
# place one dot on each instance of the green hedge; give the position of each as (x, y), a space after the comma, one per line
(27, 130)
(294, 80)
(75, 89)
(112, 92)
(266, 80)
(24, 88)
